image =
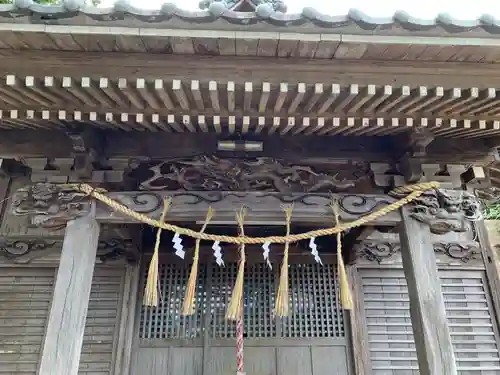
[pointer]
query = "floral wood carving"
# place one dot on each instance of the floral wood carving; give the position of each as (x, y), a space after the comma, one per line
(205, 173)
(25, 251)
(445, 210)
(461, 251)
(377, 251)
(50, 205)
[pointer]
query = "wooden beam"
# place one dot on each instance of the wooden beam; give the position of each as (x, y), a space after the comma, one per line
(358, 326)
(33, 144)
(263, 208)
(229, 68)
(66, 322)
(4, 191)
(427, 309)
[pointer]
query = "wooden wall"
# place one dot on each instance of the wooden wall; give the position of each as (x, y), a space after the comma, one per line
(385, 314)
(25, 300)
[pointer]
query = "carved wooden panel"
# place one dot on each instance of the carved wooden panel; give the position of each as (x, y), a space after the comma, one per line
(468, 309)
(205, 173)
(451, 249)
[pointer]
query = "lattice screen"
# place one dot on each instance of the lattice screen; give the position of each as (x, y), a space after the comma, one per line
(165, 320)
(392, 347)
(314, 303)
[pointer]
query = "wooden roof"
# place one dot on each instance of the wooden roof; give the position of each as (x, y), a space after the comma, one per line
(256, 14)
(225, 71)
(221, 30)
(179, 105)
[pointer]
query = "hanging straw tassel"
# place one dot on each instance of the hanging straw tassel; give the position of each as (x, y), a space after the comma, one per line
(235, 305)
(151, 291)
(345, 290)
(281, 307)
(188, 307)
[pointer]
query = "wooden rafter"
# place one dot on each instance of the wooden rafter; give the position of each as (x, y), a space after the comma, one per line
(251, 107)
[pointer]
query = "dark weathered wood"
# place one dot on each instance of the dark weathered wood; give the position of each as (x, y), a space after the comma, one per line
(4, 191)
(123, 347)
(131, 317)
(224, 68)
(29, 143)
(428, 315)
(33, 143)
(263, 208)
(66, 322)
(488, 238)
(358, 327)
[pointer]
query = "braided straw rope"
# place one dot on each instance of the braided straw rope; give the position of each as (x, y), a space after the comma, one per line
(413, 191)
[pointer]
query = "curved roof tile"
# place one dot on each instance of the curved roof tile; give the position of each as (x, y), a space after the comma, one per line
(264, 13)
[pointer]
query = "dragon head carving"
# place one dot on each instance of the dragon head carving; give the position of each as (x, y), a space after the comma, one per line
(50, 204)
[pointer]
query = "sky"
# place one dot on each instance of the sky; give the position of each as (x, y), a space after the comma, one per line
(427, 9)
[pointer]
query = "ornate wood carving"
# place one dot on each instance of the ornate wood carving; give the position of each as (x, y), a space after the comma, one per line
(488, 195)
(23, 251)
(461, 251)
(115, 249)
(377, 251)
(52, 205)
(86, 151)
(380, 251)
(205, 173)
(261, 205)
(445, 210)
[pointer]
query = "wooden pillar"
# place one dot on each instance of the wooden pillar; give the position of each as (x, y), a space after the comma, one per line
(428, 315)
(66, 322)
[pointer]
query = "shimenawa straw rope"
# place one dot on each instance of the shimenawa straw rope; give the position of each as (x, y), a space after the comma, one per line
(413, 191)
(236, 302)
(235, 306)
(345, 290)
(281, 306)
(151, 291)
(188, 307)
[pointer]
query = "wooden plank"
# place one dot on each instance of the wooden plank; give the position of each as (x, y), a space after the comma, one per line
(260, 360)
(329, 360)
(64, 336)
(123, 367)
(264, 69)
(359, 336)
(320, 149)
(294, 361)
(24, 307)
(183, 361)
(427, 309)
(152, 361)
(221, 360)
(489, 237)
(4, 191)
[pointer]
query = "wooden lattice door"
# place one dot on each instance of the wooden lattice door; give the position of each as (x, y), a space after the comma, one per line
(312, 340)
